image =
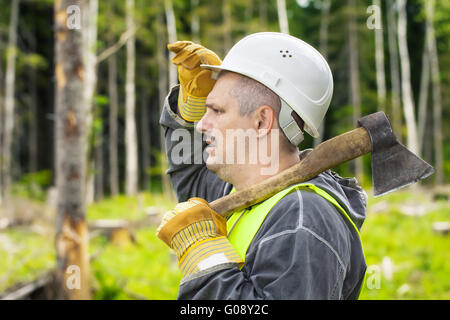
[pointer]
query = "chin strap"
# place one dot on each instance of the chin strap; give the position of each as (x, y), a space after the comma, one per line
(289, 125)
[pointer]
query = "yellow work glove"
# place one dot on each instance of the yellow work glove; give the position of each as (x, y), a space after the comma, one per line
(195, 82)
(198, 236)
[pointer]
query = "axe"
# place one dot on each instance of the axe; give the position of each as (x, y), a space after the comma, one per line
(393, 165)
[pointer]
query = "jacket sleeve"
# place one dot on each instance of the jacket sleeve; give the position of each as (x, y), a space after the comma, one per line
(286, 260)
(185, 154)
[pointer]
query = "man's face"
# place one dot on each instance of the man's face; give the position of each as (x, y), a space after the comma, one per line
(222, 116)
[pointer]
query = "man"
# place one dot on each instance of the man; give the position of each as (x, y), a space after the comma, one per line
(302, 243)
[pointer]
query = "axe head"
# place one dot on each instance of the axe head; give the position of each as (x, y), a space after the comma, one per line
(393, 165)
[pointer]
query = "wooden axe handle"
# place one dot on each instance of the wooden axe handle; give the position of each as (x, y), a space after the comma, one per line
(326, 155)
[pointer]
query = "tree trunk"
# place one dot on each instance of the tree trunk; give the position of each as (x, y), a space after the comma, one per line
(436, 93)
(172, 33)
(71, 155)
(89, 22)
(226, 18)
(112, 120)
(9, 100)
(33, 122)
(99, 177)
(32, 137)
(195, 22)
(408, 100)
(282, 16)
(146, 138)
(262, 13)
(249, 12)
(131, 179)
(323, 48)
(423, 96)
(162, 92)
(428, 147)
(394, 71)
(379, 62)
(112, 117)
(354, 90)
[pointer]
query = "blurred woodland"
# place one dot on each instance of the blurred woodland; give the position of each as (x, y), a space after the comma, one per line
(82, 84)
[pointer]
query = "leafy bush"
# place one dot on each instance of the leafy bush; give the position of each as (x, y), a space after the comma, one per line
(141, 270)
(33, 185)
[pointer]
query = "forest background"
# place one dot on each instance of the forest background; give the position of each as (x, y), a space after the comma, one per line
(108, 185)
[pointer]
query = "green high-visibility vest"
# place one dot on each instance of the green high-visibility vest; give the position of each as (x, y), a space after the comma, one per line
(243, 225)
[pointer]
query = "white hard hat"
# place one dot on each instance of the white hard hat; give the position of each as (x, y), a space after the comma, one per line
(292, 69)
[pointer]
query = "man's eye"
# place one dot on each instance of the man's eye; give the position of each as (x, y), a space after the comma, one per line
(217, 111)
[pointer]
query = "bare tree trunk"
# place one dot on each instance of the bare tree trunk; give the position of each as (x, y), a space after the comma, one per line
(379, 60)
(146, 138)
(323, 48)
(249, 11)
(162, 92)
(394, 71)
(131, 179)
(226, 18)
(112, 120)
(195, 23)
(262, 12)
(71, 155)
(423, 96)
(162, 70)
(98, 172)
(172, 33)
(9, 100)
(354, 90)
(33, 135)
(282, 16)
(436, 93)
(408, 100)
(113, 142)
(428, 147)
(90, 57)
(99, 176)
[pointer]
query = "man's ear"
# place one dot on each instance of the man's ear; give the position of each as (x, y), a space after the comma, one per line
(265, 117)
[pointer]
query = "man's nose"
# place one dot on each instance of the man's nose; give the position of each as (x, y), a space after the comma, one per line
(202, 125)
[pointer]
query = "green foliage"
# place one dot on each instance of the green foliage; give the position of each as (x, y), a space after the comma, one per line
(124, 207)
(420, 256)
(144, 270)
(101, 100)
(25, 256)
(139, 270)
(33, 185)
(31, 60)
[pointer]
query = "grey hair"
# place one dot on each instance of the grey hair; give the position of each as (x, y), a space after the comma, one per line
(252, 94)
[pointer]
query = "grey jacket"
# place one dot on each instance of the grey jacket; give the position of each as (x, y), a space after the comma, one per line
(304, 249)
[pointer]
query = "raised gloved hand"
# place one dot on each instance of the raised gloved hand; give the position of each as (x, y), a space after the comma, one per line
(198, 236)
(195, 82)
